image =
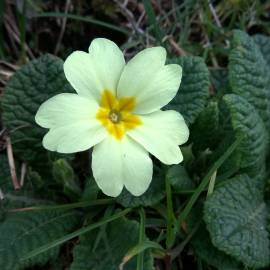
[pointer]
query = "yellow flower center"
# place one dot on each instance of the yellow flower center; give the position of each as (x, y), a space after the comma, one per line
(116, 114)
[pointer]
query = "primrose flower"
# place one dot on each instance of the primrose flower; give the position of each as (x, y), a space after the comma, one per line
(117, 112)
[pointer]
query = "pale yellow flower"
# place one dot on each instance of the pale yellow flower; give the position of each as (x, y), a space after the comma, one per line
(117, 110)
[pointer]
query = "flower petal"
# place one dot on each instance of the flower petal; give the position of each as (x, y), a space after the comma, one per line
(148, 79)
(137, 72)
(121, 163)
(160, 134)
(100, 69)
(65, 109)
(75, 137)
(160, 90)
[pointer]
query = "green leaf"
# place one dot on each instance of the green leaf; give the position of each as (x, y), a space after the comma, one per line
(179, 178)
(22, 232)
(205, 250)
(202, 245)
(236, 218)
(5, 178)
(90, 191)
(72, 235)
(82, 204)
(11, 198)
(194, 88)
(86, 19)
(242, 119)
(249, 74)
(263, 42)
(64, 175)
(220, 81)
(121, 236)
(207, 178)
(205, 132)
(154, 194)
(33, 84)
(140, 248)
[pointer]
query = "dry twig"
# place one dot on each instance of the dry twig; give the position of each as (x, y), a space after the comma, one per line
(12, 166)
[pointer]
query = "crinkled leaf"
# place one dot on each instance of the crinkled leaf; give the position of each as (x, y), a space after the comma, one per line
(5, 177)
(153, 195)
(11, 198)
(28, 194)
(194, 89)
(240, 118)
(204, 248)
(202, 245)
(205, 131)
(23, 232)
(263, 42)
(220, 81)
(249, 74)
(121, 235)
(29, 87)
(90, 191)
(179, 178)
(236, 217)
(64, 175)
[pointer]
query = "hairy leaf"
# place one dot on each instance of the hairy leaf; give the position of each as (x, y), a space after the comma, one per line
(204, 248)
(5, 177)
(240, 118)
(179, 178)
(220, 81)
(263, 42)
(30, 86)
(22, 232)
(194, 89)
(249, 74)
(153, 195)
(236, 217)
(202, 244)
(9, 197)
(121, 235)
(205, 131)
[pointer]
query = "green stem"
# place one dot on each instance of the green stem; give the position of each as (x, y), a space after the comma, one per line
(170, 214)
(176, 251)
(102, 230)
(211, 184)
(64, 206)
(140, 257)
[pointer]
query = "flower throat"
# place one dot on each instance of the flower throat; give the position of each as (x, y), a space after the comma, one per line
(116, 114)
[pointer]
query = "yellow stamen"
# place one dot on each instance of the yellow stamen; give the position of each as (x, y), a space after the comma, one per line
(116, 114)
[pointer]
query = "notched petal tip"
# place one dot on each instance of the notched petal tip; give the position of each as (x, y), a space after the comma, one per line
(102, 43)
(138, 193)
(150, 54)
(111, 193)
